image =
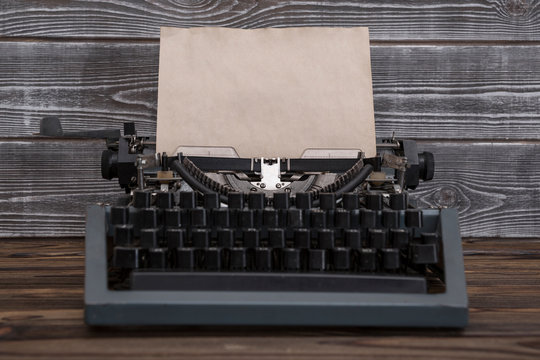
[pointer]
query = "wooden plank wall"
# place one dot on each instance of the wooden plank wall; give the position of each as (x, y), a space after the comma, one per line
(461, 77)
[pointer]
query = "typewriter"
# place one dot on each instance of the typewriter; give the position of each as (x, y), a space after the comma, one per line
(315, 240)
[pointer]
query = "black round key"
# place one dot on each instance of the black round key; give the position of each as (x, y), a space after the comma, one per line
(222, 217)
(173, 217)
(398, 201)
(326, 239)
(327, 201)
(213, 259)
(126, 257)
(211, 200)
(187, 200)
(390, 218)
(200, 238)
(374, 201)
(235, 200)
(157, 258)
(368, 218)
(390, 259)
(238, 259)
(413, 218)
(302, 238)
(353, 238)
(175, 237)
(281, 200)
(342, 218)
(142, 198)
(341, 259)
(149, 238)
(256, 201)
(263, 259)
(119, 215)
(165, 200)
(368, 259)
(355, 218)
(304, 200)
(350, 201)
(276, 238)
(270, 217)
(317, 260)
(247, 219)
(123, 234)
(430, 238)
(377, 238)
(424, 254)
(318, 218)
(291, 259)
(399, 238)
(225, 238)
(185, 258)
(295, 218)
(198, 217)
(251, 238)
(150, 218)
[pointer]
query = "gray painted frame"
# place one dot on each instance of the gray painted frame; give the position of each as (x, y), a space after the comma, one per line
(109, 307)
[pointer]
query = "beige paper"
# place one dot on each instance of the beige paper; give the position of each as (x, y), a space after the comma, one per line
(265, 92)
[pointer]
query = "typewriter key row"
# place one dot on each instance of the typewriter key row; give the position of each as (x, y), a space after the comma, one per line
(268, 259)
(237, 200)
(248, 218)
(301, 238)
(274, 259)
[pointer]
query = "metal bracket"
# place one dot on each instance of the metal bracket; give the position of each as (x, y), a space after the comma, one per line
(270, 175)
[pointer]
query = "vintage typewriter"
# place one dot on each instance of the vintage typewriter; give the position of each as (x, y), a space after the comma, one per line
(224, 240)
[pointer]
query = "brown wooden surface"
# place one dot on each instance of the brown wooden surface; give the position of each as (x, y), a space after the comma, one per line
(41, 316)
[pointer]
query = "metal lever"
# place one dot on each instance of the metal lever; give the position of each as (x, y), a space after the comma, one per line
(50, 126)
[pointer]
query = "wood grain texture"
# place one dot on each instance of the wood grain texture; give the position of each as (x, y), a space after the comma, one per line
(494, 186)
(45, 186)
(443, 92)
(390, 20)
(41, 315)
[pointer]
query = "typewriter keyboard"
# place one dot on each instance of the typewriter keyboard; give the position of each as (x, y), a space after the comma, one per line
(358, 243)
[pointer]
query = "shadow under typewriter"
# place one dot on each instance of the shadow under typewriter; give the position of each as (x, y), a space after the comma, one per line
(282, 261)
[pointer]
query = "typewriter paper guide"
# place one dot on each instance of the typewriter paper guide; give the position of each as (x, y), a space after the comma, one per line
(265, 92)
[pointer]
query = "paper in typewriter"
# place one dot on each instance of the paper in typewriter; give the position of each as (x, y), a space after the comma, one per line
(265, 92)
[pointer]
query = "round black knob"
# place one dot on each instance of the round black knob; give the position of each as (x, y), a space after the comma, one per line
(426, 163)
(109, 162)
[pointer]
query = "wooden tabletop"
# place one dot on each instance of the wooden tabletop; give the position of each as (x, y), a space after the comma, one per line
(41, 312)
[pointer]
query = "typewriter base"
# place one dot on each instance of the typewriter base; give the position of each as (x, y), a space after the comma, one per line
(106, 307)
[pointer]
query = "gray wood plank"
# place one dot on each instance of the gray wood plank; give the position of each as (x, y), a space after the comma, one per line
(430, 91)
(45, 186)
(495, 186)
(457, 92)
(390, 20)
